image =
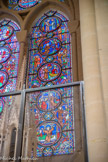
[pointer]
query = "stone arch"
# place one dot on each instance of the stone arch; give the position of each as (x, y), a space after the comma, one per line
(37, 11)
(5, 13)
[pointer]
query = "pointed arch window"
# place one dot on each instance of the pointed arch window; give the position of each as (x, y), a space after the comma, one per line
(9, 57)
(50, 63)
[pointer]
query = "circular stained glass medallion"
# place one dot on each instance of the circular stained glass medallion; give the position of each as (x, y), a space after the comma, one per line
(4, 54)
(5, 32)
(49, 59)
(3, 78)
(48, 100)
(1, 105)
(49, 72)
(50, 46)
(47, 151)
(50, 24)
(48, 133)
(27, 3)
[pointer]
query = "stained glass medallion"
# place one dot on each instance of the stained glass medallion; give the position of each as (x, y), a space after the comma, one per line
(50, 51)
(4, 54)
(50, 46)
(48, 101)
(49, 72)
(48, 128)
(5, 32)
(50, 24)
(19, 5)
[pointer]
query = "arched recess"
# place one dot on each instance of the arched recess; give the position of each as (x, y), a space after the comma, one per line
(12, 143)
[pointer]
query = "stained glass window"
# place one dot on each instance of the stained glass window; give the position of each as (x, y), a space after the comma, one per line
(9, 57)
(22, 4)
(50, 61)
(54, 120)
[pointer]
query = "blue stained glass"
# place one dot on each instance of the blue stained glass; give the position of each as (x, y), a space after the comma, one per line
(50, 46)
(48, 116)
(5, 32)
(47, 151)
(61, 0)
(19, 5)
(50, 24)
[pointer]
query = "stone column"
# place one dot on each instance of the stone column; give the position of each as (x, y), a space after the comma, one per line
(95, 115)
(21, 37)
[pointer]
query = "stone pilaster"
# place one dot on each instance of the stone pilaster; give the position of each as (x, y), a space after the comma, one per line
(95, 117)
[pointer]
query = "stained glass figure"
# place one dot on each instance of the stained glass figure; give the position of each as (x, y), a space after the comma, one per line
(54, 120)
(5, 32)
(9, 56)
(48, 101)
(19, 5)
(50, 61)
